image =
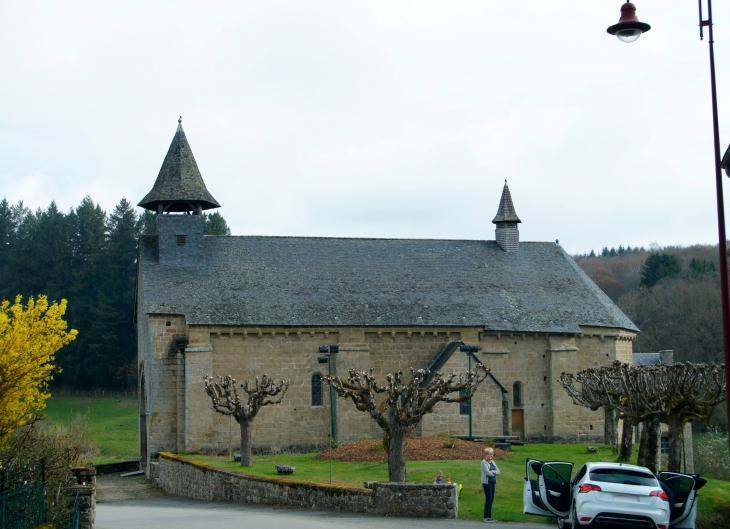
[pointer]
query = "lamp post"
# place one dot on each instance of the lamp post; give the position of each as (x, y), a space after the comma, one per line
(629, 29)
(469, 350)
(326, 352)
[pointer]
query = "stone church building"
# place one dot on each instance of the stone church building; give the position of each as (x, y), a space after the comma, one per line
(248, 305)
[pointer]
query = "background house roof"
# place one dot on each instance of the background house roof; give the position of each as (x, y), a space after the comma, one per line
(308, 281)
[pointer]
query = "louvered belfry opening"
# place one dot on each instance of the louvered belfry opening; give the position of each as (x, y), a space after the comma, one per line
(506, 232)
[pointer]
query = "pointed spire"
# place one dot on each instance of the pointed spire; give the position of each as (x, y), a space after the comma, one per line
(506, 211)
(179, 185)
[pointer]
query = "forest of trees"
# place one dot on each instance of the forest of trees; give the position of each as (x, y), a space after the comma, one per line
(672, 294)
(89, 258)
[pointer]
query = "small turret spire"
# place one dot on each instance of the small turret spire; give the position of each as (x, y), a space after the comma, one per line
(506, 220)
(506, 211)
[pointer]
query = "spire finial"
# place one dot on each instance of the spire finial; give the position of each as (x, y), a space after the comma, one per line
(179, 120)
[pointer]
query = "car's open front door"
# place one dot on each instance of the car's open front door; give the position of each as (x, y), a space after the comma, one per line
(554, 483)
(531, 502)
(684, 487)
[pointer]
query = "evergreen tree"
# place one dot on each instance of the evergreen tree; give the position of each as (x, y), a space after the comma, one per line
(147, 223)
(702, 267)
(215, 224)
(657, 267)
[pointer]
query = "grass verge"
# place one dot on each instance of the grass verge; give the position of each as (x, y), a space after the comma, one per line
(112, 423)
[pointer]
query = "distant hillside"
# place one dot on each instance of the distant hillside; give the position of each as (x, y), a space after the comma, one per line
(671, 293)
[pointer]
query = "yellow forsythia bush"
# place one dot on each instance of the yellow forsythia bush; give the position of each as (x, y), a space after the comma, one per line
(29, 337)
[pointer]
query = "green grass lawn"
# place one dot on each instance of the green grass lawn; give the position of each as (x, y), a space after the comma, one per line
(508, 500)
(112, 423)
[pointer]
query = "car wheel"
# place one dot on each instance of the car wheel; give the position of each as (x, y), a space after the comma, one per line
(564, 524)
(574, 517)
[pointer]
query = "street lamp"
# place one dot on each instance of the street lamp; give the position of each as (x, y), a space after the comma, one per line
(325, 357)
(628, 28)
(625, 25)
(469, 350)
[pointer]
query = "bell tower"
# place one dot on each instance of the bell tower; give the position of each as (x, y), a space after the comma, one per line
(180, 189)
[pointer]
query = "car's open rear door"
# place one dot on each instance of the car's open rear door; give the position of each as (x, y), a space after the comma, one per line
(554, 484)
(531, 501)
(684, 487)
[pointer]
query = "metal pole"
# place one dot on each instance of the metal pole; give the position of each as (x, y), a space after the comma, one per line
(471, 437)
(725, 290)
(332, 405)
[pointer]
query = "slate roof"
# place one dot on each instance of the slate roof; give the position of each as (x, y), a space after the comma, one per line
(313, 281)
(646, 359)
(506, 211)
(179, 182)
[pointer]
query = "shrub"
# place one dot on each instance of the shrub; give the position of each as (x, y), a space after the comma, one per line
(450, 443)
(443, 434)
(334, 444)
(489, 442)
(364, 437)
(377, 445)
(61, 447)
(711, 455)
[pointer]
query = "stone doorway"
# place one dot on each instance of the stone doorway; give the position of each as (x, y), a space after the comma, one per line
(518, 424)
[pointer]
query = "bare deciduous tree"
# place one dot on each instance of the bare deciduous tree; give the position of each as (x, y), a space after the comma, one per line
(227, 401)
(406, 403)
(672, 394)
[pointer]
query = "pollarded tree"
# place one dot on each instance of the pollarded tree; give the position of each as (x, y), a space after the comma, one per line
(406, 403)
(227, 401)
(605, 387)
(687, 391)
(672, 394)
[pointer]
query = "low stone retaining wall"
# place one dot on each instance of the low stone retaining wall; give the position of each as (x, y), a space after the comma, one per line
(198, 481)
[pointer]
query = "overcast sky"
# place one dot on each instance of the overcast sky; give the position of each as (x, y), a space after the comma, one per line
(374, 119)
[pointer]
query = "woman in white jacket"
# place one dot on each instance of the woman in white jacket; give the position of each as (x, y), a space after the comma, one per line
(490, 471)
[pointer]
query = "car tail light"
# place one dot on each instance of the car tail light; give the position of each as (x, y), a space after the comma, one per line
(660, 494)
(587, 487)
(585, 519)
(661, 526)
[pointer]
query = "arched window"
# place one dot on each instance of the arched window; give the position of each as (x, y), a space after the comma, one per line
(517, 395)
(317, 390)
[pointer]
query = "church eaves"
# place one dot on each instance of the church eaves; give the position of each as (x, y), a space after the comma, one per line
(179, 186)
(506, 211)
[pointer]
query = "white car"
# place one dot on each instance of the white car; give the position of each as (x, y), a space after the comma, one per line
(610, 495)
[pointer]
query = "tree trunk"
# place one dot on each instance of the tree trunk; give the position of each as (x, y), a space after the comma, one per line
(610, 429)
(649, 445)
(246, 458)
(676, 425)
(627, 442)
(397, 455)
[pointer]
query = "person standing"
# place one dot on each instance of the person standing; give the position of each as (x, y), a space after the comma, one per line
(490, 471)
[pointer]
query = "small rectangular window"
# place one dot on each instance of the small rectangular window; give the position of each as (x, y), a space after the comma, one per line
(182, 240)
(665, 445)
(464, 407)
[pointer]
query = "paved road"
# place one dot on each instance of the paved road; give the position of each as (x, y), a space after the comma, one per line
(180, 513)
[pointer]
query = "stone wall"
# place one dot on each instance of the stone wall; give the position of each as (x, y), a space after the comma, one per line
(202, 482)
(181, 418)
(85, 491)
